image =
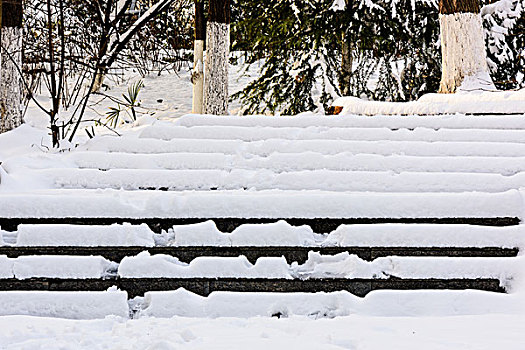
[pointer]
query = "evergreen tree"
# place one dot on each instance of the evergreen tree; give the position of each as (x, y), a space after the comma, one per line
(393, 45)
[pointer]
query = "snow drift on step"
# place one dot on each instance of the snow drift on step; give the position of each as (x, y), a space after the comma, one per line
(146, 265)
(379, 235)
(50, 266)
(283, 162)
(328, 180)
(72, 305)
(86, 236)
(319, 305)
(275, 234)
(342, 265)
(258, 204)
(486, 102)
(452, 121)
(169, 131)
(6, 267)
(265, 148)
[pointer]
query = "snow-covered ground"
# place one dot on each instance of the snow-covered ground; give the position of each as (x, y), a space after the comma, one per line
(352, 332)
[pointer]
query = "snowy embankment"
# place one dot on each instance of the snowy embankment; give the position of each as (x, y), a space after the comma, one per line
(478, 102)
(277, 168)
(389, 167)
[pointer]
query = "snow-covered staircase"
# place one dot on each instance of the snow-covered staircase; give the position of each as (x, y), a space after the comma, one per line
(271, 204)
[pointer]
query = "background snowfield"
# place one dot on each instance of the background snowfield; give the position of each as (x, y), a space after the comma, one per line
(385, 319)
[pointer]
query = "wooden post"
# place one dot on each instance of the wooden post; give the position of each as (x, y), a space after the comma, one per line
(464, 57)
(217, 55)
(197, 77)
(11, 64)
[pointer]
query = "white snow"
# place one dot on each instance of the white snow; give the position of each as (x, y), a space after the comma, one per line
(285, 162)
(482, 332)
(425, 235)
(326, 147)
(344, 265)
(275, 234)
(446, 121)
(169, 131)
(326, 180)
(378, 235)
(62, 267)
(486, 102)
(6, 267)
(381, 303)
(72, 305)
(78, 235)
(151, 266)
(259, 204)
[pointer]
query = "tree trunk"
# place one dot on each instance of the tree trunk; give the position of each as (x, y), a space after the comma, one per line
(197, 77)
(217, 53)
(345, 73)
(10, 64)
(464, 57)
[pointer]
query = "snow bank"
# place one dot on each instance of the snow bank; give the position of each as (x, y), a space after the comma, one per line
(79, 235)
(259, 204)
(423, 235)
(62, 267)
(451, 121)
(344, 265)
(328, 180)
(266, 148)
(379, 235)
(462, 102)
(169, 131)
(341, 265)
(381, 303)
(146, 265)
(286, 162)
(72, 305)
(275, 234)
(6, 267)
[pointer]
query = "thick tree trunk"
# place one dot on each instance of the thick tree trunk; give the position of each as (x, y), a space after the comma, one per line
(217, 53)
(464, 57)
(197, 77)
(10, 64)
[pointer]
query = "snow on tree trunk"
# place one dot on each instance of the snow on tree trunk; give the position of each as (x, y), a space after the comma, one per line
(217, 53)
(197, 77)
(464, 57)
(10, 65)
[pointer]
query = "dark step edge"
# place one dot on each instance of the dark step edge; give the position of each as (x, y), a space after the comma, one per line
(318, 225)
(205, 286)
(298, 254)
